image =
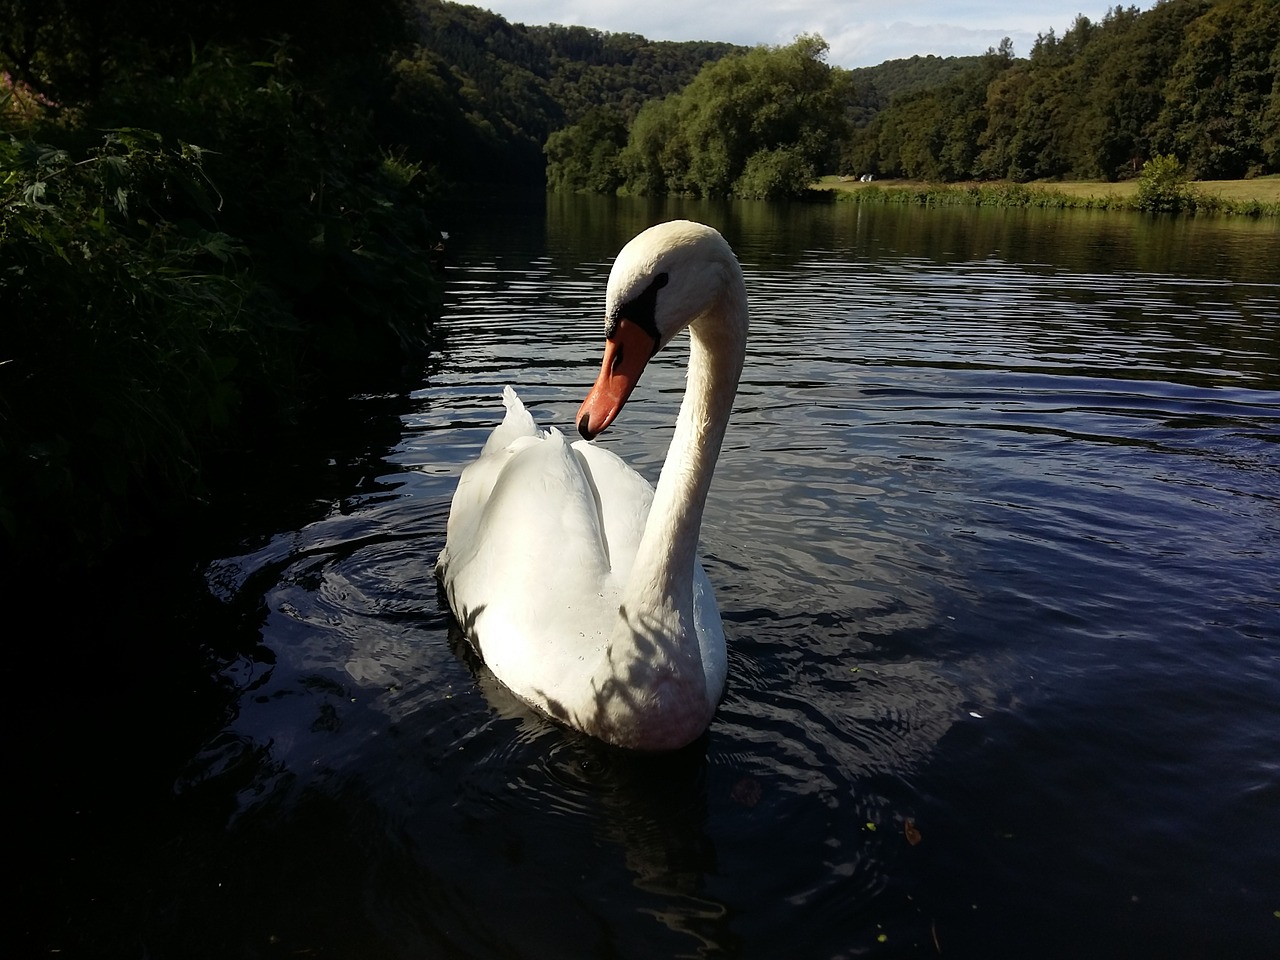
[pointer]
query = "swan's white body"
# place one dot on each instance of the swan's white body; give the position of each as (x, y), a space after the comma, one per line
(576, 581)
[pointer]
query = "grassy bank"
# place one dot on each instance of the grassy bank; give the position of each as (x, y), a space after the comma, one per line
(1257, 197)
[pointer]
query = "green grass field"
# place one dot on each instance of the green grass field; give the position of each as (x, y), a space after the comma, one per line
(1261, 189)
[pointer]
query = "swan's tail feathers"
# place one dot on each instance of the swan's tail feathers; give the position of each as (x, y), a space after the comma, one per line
(516, 424)
(510, 398)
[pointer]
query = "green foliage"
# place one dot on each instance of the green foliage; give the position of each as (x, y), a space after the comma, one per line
(75, 51)
(1004, 195)
(758, 124)
(478, 97)
(470, 98)
(158, 298)
(1192, 78)
(121, 308)
(335, 225)
(1163, 186)
(774, 174)
(590, 69)
(876, 87)
(585, 156)
(1214, 114)
(1024, 195)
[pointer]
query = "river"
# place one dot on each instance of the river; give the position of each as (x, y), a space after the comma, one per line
(995, 534)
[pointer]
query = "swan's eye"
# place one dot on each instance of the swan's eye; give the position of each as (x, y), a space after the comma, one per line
(642, 310)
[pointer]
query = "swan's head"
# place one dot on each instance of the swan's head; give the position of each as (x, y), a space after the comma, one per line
(663, 280)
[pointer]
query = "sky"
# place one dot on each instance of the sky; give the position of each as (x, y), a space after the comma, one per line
(862, 33)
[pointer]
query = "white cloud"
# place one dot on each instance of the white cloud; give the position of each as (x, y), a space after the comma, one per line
(861, 32)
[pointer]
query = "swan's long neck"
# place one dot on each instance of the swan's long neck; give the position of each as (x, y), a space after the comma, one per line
(651, 688)
(661, 582)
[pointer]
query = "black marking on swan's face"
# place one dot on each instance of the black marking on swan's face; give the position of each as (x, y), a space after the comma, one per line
(642, 311)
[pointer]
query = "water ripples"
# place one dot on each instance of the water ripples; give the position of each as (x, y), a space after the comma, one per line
(951, 489)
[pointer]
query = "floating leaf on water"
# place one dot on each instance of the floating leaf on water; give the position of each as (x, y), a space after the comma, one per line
(913, 834)
(746, 792)
(871, 826)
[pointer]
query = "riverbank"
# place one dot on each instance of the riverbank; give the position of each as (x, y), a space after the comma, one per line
(167, 304)
(1259, 197)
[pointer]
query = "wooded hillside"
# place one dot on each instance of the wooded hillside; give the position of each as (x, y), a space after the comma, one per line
(1190, 79)
(479, 96)
(1195, 79)
(758, 124)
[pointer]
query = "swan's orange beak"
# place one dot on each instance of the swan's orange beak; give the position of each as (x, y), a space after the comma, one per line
(625, 354)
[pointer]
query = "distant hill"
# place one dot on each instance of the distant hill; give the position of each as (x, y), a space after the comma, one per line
(482, 94)
(479, 96)
(894, 77)
(874, 88)
(1191, 79)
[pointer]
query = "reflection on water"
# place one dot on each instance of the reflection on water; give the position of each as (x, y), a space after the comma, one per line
(994, 534)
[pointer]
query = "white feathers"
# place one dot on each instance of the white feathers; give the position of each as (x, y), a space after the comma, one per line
(578, 586)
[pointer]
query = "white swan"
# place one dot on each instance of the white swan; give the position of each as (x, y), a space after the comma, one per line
(577, 583)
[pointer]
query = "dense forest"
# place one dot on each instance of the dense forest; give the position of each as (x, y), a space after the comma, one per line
(1190, 79)
(1193, 79)
(759, 124)
(874, 88)
(477, 96)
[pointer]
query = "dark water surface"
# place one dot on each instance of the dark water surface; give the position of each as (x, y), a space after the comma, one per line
(996, 538)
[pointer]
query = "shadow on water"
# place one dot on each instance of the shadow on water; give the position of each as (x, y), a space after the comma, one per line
(134, 687)
(390, 862)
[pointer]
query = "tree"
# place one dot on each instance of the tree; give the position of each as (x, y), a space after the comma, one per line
(1269, 128)
(1220, 88)
(756, 124)
(995, 157)
(585, 155)
(1191, 78)
(1163, 187)
(71, 50)
(938, 133)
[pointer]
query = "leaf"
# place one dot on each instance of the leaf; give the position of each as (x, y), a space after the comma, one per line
(34, 194)
(912, 834)
(116, 166)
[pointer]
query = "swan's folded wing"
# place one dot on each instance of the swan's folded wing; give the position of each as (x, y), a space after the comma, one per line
(475, 486)
(623, 498)
(531, 549)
